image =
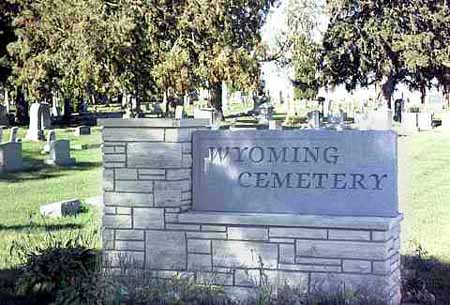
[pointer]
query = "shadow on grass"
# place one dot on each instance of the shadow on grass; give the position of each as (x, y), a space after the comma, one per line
(37, 170)
(44, 227)
(424, 275)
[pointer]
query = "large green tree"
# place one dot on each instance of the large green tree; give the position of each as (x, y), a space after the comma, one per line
(386, 42)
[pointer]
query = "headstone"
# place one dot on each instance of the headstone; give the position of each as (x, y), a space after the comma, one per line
(399, 106)
(11, 157)
(51, 137)
(362, 121)
(39, 121)
(409, 122)
(179, 112)
(63, 208)
(314, 119)
(82, 130)
(274, 125)
(381, 119)
(205, 113)
(13, 137)
(424, 121)
(4, 120)
(157, 109)
(60, 153)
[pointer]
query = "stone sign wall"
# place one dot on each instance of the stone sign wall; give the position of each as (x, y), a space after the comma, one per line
(149, 217)
(349, 173)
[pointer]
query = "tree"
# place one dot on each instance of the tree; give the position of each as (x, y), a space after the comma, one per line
(384, 42)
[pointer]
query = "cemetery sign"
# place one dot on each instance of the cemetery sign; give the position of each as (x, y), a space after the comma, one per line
(349, 173)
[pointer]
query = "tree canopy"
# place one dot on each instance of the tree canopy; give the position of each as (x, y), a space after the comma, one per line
(386, 42)
(143, 48)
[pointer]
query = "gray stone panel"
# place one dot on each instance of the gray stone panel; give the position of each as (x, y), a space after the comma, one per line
(166, 250)
(144, 218)
(348, 173)
(155, 155)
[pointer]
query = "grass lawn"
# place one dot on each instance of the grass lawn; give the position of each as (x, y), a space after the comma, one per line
(23, 193)
(425, 192)
(424, 187)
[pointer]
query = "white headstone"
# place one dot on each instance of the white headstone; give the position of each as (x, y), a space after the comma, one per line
(424, 121)
(179, 112)
(409, 122)
(51, 137)
(13, 137)
(381, 119)
(39, 121)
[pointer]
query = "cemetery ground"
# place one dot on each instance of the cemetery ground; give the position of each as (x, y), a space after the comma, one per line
(425, 196)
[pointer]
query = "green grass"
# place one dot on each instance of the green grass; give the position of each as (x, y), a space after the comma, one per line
(424, 187)
(425, 192)
(23, 193)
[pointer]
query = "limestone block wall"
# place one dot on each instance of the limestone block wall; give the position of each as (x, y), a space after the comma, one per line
(148, 217)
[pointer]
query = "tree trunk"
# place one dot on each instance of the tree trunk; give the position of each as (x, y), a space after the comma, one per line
(423, 94)
(216, 100)
(22, 111)
(387, 89)
(67, 108)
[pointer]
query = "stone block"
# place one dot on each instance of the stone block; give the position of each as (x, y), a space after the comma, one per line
(287, 254)
(179, 174)
(183, 227)
(114, 158)
(207, 235)
(199, 262)
(244, 254)
(126, 174)
(151, 174)
(127, 258)
(178, 135)
(318, 261)
(298, 233)
(109, 210)
(61, 208)
(310, 268)
(151, 218)
(187, 148)
(108, 239)
(245, 233)
(282, 240)
(247, 277)
(127, 186)
(187, 161)
(126, 245)
(333, 283)
(166, 250)
(168, 193)
(356, 266)
(200, 246)
(297, 280)
(113, 164)
(123, 211)
(211, 228)
(155, 155)
(128, 199)
(382, 267)
(381, 235)
(117, 221)
(214, 278)
(341, 249)
(348, 234)
(132, 135)
(129, 235)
